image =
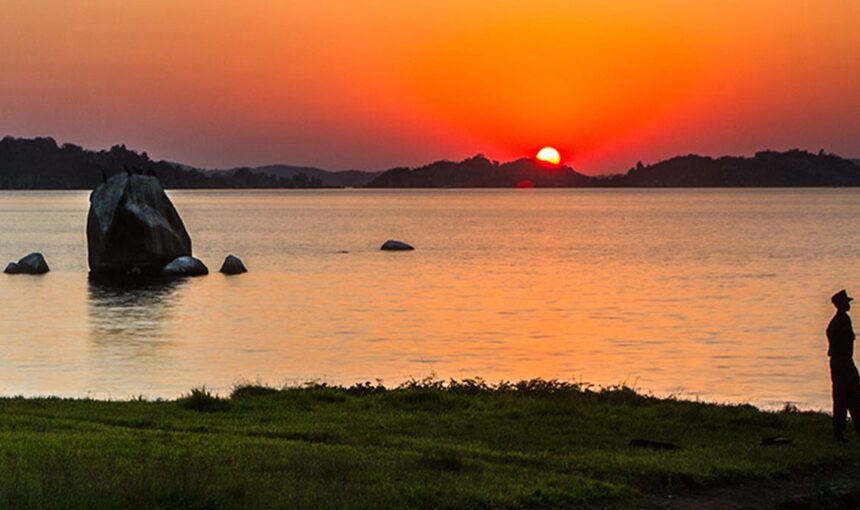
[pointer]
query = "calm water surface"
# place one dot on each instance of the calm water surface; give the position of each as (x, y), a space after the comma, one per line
(719, 294)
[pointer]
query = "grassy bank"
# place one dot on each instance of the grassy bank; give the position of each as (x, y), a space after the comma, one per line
(465, 445)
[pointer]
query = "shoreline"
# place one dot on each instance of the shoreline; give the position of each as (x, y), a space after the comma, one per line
(299, 384)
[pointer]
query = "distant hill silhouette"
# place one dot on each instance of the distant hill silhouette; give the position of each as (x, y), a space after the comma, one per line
(39, 163)
(480, 172)
(340, 179)
(767, 168)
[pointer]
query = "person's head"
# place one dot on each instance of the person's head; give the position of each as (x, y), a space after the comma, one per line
(841, 300)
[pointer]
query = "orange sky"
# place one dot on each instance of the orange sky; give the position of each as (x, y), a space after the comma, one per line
(374, 84)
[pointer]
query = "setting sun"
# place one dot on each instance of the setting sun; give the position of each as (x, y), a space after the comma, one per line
(549, 155)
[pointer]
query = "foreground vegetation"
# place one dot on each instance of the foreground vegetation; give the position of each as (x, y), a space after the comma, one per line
(423, 445)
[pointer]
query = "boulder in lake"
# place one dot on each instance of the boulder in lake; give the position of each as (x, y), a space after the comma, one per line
(233, 265)
(33, 263)
(186, 266)
(133, 224)
(392, 245)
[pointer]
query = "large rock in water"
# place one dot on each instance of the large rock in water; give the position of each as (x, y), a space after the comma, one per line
(33, 263)
(133, 227)
(186, 266)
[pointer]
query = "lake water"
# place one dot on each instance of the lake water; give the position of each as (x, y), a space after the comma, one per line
(717, 294)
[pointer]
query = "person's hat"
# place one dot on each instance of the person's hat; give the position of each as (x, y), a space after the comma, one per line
(841, 297)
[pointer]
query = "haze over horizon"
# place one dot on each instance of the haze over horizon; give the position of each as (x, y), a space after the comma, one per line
(371, 86)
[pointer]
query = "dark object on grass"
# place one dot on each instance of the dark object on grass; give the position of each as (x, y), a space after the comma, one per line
(776, 441)
(392, 245)
(654, 445)
(233, 265)
(132, 223)
(33, 263)
(186, 266)
(442, 460)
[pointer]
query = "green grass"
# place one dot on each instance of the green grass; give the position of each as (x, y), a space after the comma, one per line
(536, 444)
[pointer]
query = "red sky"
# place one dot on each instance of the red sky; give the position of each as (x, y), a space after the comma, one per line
(374, 84)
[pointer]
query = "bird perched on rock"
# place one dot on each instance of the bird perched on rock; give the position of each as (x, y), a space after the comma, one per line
(104, 176)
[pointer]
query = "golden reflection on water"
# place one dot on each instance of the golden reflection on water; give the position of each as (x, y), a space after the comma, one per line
(720, 294)
(130, 314)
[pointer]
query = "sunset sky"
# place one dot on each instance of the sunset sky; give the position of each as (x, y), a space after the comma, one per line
(376, 84)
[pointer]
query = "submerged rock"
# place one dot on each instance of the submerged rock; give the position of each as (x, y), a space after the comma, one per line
(186, 266)
(392, 245)
(33, 263)
(233, 265)
(133, 224)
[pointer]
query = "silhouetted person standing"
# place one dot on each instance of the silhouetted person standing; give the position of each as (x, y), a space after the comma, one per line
(843, 373)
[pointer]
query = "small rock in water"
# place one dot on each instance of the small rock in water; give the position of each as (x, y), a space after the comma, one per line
(33, 263)
(233, 265)
(392, 245)
(186, 266)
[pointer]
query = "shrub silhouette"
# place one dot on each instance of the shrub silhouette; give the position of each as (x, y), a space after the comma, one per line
(202, 400)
